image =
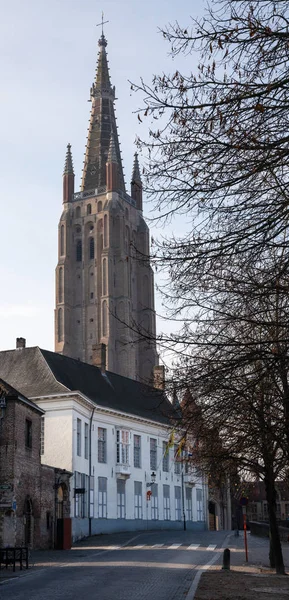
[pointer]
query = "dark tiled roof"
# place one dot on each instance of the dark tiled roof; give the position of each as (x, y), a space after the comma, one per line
(10, 392)
(39, 372)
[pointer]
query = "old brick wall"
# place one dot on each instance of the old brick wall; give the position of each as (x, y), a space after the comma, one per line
(20, 468)
(30, 484)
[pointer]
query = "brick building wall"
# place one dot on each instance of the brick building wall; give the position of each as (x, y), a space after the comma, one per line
(28, 490)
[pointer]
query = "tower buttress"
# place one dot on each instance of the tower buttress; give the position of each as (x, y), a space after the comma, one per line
(136, 184)
(68, 176)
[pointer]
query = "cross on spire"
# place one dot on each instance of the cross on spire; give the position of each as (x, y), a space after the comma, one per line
(102, 23)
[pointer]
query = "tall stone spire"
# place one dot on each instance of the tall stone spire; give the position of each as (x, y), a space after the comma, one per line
(101, 126)
(68, 176)
(136, 183)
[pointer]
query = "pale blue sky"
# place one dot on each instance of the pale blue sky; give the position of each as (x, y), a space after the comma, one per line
(48, 55)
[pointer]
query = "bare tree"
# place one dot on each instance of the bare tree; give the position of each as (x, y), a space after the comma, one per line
(218, 146)
(235, 365)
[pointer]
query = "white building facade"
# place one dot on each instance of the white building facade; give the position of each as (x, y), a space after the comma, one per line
(124, 475)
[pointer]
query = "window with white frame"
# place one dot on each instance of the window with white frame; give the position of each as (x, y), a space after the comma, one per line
(102, 445)
(42, 430)
(137, 451)
(153, 454)
(86, 440)
(138, 500)
(121, 499)
(81, 494)
(122, 447)
(166, 457)
(102, 497)
(199, 504)
(177, 460)
(166, 493)
(154, 501)
(189, 505)
(78, 437)
(178, 503)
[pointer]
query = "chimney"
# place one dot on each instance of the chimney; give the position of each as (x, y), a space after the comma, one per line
(159, 377)
(99, 356)
(20, 343)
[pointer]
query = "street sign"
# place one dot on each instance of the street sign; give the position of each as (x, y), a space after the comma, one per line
(14, 505)
(244, 501)
(5, 486)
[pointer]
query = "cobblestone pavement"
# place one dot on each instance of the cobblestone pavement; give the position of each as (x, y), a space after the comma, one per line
(142, 566)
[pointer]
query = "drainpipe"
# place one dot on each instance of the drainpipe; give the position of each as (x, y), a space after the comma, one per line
(90, 471)
(183, 498)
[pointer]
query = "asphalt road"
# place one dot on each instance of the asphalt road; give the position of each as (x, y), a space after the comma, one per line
(145, 566)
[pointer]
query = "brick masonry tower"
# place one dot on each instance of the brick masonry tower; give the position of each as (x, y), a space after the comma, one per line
(104, 282)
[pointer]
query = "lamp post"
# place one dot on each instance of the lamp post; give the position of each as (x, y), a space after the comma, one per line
(149, 493)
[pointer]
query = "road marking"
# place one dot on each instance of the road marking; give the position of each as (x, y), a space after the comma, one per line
(193, 547)
(174, 546)
(212, 547)
(193, 588)
(113, 547)
(157, 545)
(139, 546)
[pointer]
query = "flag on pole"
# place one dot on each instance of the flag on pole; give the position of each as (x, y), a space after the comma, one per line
(180, 446)
(170, 442)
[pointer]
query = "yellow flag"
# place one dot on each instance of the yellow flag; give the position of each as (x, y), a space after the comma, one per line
(181, 446)
(170, 443)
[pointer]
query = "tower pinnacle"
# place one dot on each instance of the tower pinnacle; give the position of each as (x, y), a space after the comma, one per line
(135, 171)
(136, 183)
(68, 176)
(68, 165)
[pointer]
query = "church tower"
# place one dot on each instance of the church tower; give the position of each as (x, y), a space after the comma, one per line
(104, 281)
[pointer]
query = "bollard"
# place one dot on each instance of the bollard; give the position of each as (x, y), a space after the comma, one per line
(226, 560)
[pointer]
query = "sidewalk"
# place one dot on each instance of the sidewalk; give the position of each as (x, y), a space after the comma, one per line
(254, 580)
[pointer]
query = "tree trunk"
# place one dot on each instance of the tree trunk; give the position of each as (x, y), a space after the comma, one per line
(275, 553)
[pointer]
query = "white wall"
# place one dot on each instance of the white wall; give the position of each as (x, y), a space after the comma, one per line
(58, 438)
(61, 451)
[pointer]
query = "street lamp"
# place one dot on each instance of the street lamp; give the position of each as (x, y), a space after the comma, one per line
(153, 479)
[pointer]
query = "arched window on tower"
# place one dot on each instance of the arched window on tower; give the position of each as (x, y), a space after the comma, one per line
(78, 251)
(127, 239)
(88, 209)
(60, 285)
(60, 324)
(104, 277)
(62, 240)
(99, 206)
(77, 212)
(91, 248)
(105, 231)
(99, 235)
(104, 318)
